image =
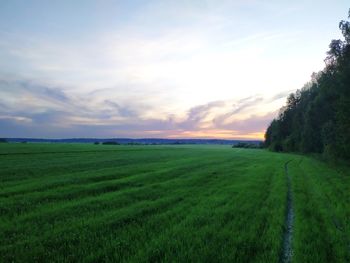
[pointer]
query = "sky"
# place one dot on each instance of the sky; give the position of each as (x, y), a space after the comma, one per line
(156, 69)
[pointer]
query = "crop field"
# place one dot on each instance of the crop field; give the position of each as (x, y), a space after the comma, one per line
(118, 203)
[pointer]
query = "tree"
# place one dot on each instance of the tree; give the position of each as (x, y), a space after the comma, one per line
(317, 117)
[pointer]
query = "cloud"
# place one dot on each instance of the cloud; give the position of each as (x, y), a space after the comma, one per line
(18, 119)
(29, 108)
(282, 95)
(121, 111)
(254, 123)
(238, 107)
(198, 114)
(163, 68)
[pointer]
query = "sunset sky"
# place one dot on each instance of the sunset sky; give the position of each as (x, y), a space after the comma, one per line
(165, 69)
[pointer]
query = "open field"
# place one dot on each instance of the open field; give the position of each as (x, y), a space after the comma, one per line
(95, 203)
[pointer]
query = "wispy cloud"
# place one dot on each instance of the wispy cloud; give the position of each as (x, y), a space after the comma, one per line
(158, 68)
(29, 107)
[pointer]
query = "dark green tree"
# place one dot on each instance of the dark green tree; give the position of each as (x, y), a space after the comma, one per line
(317, 117)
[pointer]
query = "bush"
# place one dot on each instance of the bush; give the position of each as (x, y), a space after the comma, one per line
(110, 143)
(133, 143)
(248, 145)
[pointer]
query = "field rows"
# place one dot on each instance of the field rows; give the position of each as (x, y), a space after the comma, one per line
(90, 203)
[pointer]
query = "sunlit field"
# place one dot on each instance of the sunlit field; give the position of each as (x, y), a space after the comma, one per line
(117, 203)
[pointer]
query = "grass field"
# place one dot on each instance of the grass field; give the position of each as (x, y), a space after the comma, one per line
(95, 203)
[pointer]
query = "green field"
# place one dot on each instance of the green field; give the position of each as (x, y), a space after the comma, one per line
(95, 203)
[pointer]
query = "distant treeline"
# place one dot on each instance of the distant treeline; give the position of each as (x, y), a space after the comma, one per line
(131, 141)
(316, 118)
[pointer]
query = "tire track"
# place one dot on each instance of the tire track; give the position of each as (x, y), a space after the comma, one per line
(287, 250)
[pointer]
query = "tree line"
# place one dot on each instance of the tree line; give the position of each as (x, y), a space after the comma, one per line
(316, 118)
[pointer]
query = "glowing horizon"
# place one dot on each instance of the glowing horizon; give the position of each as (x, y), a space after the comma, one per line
(213, 69)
